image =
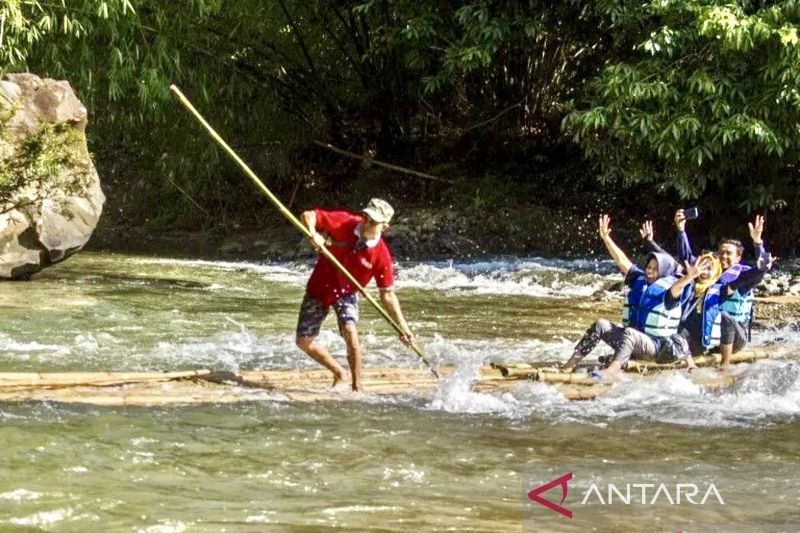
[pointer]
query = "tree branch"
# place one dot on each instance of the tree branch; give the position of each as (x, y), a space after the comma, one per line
(382, 164)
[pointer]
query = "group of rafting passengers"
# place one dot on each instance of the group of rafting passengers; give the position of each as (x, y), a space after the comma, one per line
(676, 308)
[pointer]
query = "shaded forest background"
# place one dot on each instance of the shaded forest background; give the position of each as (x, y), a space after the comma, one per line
(634, 108)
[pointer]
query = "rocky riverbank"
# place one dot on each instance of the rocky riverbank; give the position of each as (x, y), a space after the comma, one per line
(418, 234)
(778, 311)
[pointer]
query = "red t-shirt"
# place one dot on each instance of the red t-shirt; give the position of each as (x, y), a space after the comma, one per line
(326, 283)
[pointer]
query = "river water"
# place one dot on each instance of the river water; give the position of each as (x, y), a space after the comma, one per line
(455, 460)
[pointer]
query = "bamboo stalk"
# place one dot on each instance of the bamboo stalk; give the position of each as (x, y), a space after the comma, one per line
(532, 370)
(97, 379)
(142, 389)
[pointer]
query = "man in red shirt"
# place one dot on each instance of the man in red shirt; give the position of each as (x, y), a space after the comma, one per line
(356, 241)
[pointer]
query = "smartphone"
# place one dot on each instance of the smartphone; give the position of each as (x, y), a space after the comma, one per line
(692, 213)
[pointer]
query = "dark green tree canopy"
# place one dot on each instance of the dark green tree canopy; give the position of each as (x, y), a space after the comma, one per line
(709, 96)
(684, 99)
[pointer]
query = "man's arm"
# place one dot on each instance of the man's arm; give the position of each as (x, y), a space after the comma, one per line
(392, 305)
(750, 279)
(653, 247)
(744, 283)
(309, 218)
(604, 228)
(684, 247)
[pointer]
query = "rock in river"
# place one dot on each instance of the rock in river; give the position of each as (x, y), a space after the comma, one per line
(50, 196)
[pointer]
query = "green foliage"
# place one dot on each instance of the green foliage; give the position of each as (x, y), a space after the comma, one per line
(710, 96)
(694, 97)
(49, 164)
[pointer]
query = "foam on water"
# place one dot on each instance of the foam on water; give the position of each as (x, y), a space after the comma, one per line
(527, 277)
(237, 348)
(20, 495)
(49, 518)
(89, 347)
(455, 393)
(765, 392)
(166, 526)
(360, 509)
(554, 278)
(226, 350)
(12, 345)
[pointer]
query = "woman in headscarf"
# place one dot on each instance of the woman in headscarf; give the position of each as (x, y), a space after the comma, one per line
(648, 319)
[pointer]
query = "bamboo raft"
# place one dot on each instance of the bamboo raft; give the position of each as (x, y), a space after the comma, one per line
(206, 386)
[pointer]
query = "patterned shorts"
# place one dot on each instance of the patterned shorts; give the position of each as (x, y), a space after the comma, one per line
(313, 313)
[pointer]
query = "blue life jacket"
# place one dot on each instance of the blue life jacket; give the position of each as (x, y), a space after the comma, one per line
(630, 312)
(645, 309)
(738, 305)
(711, 323)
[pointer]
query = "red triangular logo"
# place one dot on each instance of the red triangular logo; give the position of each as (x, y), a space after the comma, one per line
(534, 495)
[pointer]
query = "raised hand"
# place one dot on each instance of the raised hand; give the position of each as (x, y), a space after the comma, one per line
(690, 271)
(604, 227)
(756, 229)
(680, 220)
(646, 231)
(694, 271)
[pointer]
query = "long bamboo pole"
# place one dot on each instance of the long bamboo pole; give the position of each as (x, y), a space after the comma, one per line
(294, 220)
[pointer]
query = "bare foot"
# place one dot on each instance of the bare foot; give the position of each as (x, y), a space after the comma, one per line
(337, 378)
(357, 387)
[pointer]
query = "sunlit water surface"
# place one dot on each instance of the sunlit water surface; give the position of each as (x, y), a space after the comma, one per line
(453, 460)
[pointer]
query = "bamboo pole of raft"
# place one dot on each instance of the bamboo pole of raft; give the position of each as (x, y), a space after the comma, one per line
(531, 371)
(293, 219)
(702, 360)
(192, 387)
(17, 380)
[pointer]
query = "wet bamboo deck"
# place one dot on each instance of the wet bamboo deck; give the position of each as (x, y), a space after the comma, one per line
(206, 386)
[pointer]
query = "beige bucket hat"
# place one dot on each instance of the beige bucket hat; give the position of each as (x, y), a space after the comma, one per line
(379, 210)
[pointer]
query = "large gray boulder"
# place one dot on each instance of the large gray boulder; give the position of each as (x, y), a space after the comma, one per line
(43, 221)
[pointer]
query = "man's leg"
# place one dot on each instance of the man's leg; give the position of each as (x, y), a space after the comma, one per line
(347, 315)
(733, 338)
(312, 314)
(603, 330)
(350, 334)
